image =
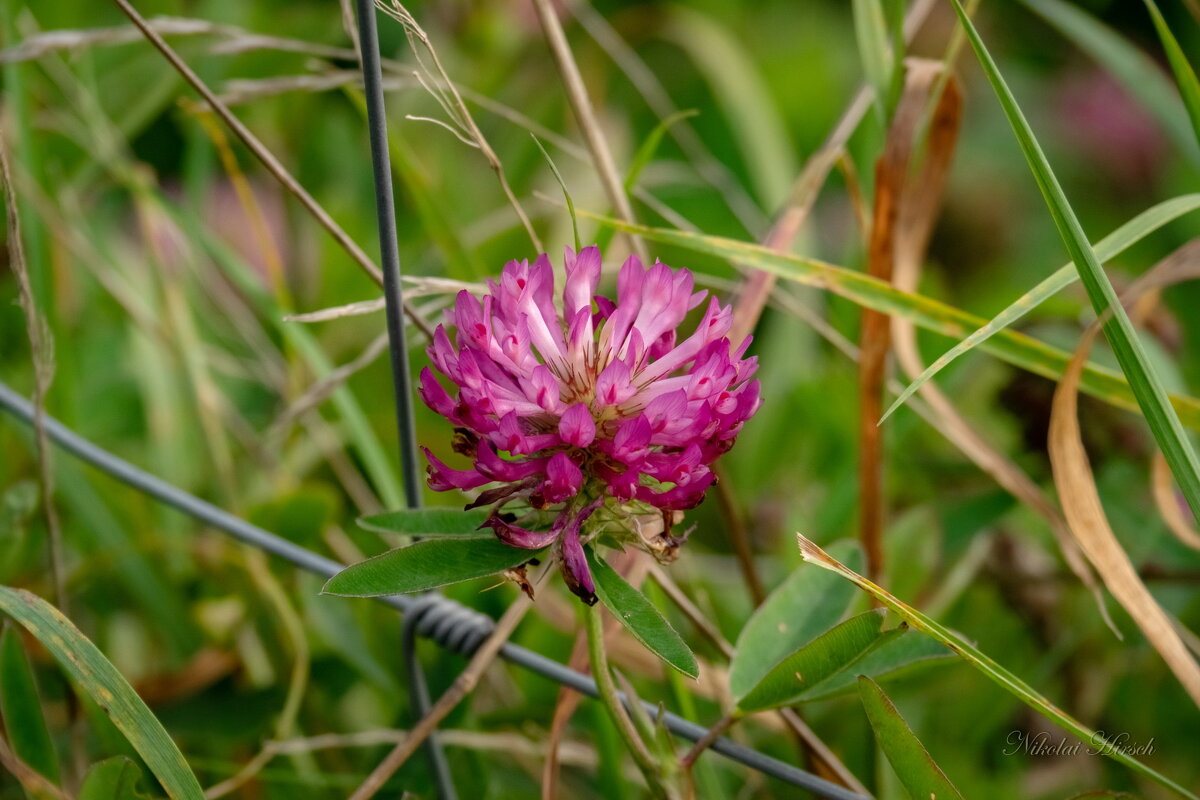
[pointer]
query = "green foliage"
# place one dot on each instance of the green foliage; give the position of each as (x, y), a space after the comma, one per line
(805, 604)
(173, 346)
(113, 779)
(640, 617)
(21, 706)
(428, 522)
(820, 659)
(428, 565)
(99, 679)
(1107, 248)
(1146, 384)
(919, 773)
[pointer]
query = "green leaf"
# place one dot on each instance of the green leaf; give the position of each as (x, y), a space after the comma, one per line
(1131, 354)
(21, 707)
(1015, 348)
(919, 773)
(897, 656)
(640, 617)
(826, 655)
(112, 779)
(1136, 71)
(95, 675)
(806, 603)
(427, 565)
(429, 522)
(1185, 76)
(977, 659)
(1107, 248)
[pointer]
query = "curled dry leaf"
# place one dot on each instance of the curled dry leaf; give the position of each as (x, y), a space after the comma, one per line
(1170, 504)
(1081, 501)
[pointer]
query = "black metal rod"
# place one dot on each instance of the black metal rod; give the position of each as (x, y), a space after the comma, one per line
(389, 250)
(244, 532)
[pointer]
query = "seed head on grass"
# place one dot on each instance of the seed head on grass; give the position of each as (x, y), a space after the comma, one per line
(599, 402)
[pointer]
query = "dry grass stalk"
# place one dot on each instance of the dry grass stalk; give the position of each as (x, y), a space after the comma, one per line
(235, 40)
(585, 115)
(461, 687)
(437, 82)
(41, 346)
(752, 298)
(265, 156)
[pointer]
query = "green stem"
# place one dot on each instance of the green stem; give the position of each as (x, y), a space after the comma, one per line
(616, 711)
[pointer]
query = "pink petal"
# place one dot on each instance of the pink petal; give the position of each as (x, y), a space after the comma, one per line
(515, 536)
(443, 478)
(563, 479)
(576, 427)
(583, 275)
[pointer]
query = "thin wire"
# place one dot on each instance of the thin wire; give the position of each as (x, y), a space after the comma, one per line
(454, 627)
(418, 690)
(389, 257)
(389, 251)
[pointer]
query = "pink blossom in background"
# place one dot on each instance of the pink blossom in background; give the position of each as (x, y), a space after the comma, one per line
(599, 400)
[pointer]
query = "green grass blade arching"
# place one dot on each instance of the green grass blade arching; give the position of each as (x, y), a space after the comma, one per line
(95, 674)
(1107, 248)
(871, 35)
(1016, 348)
(1146, 385)
(982, 662)
(1185, 76)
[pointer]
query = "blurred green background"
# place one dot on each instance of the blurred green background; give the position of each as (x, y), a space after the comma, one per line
(165, 291)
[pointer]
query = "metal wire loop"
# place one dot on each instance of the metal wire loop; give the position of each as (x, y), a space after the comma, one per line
(450, 624)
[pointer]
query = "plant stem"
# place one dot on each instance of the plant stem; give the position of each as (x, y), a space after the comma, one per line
(612, 702)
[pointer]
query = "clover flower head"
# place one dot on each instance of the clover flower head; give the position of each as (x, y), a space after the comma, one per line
(566, 408)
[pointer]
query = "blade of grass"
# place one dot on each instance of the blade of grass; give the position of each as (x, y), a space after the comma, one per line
(1147, 386)
(1185, 76)
(566, 194)
(1106, 249)
(870, 30)
(977, 659)
(1016, 348)
(1168, 504)
(96, 676)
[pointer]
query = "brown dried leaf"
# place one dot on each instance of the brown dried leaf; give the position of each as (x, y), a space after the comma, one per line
(1081, 501)
(1169, 505)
